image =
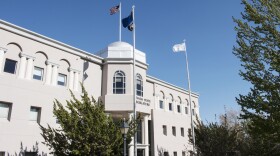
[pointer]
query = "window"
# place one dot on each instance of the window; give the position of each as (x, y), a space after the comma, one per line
(174, 153)
(186, 110)
(119, 83)
(38, 73)
(2, 153)
(161, 104)
(170, 106)
(5, 111)
(190, 132)
(182, 132)
(178, 108)
(35, 113)
(139, 85)
(139, 133)
(61, 80)
(165, 154)
(193, 112)
(164, 128)
(174, 130)
(183, 153)
(10, 66)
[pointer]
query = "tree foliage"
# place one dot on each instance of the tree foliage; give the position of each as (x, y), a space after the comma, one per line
(85, 129)
(219, 139)
(258, 45)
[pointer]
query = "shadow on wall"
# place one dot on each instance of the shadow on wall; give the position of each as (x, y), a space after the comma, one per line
(31, 152)
(162, 151)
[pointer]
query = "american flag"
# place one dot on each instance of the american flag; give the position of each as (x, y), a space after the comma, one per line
(114, 9)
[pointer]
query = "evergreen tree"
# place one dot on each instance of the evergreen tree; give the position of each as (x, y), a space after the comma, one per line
(85, 129)
(258, 45)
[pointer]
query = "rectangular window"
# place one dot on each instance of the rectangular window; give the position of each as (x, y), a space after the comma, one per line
(5, 110)
(38, 73)
(178, 108)
(186, 110)
(165, 154)
(10, 66)
(190, 132)
(139, 133)
(183, 153)
(35, 113)
(170, 106)
(182, 132)
(174, 130)
(174, 153)
(193, 112)
(61, 80)
(161, 104)
(164, 128)
(2, 153)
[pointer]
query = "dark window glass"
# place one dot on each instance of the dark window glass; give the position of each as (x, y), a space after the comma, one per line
(161, 104)
(119, 83)
(139, 85)
(139, 133)
(10, 66)
(182, 132)
(178, 108)
(174, 131)
(186, 110)
(170, 106)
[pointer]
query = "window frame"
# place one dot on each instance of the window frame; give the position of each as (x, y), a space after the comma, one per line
(179, 108)
(164, 130)
(182, 132)
(65, 79)
(173, 130)
(161, 104)
(9, 113)
(139, 92)
(39, 111)
(186, 110)
(170, 105)
(122, 88)
(14, 68)
(42, 73)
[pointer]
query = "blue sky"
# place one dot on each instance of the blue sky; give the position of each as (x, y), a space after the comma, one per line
(206, 25)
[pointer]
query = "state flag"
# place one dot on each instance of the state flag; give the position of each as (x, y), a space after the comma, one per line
(114, 9)
(179, 47)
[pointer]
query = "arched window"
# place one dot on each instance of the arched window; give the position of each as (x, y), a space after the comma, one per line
(119, 82)
(139, 85)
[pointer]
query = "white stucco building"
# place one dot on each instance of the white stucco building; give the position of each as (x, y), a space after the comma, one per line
(34, 70)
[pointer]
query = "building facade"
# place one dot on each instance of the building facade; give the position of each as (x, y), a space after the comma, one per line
(35, 70)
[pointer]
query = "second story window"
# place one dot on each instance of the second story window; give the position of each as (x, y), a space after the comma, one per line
(174, 130)
(61, 80)
(10, 66)
(119, 83)
(161, 104)
(38, 73)
(139, 85)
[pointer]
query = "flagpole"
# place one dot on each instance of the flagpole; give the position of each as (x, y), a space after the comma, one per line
(120, 26)
(190, 97)
(134, 82)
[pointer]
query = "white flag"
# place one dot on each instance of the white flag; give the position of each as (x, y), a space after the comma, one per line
(179, 47)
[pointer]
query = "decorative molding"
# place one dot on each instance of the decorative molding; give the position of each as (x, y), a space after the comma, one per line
(3, 49)
(74, 70)
(27, 56)
(52, 63)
